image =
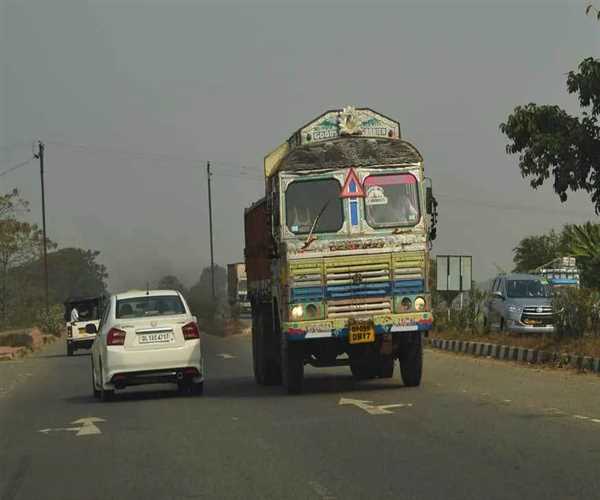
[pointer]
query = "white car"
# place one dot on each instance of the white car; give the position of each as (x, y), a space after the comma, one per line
(146, 337)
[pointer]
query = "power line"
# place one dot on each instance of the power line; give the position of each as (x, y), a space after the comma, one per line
(15, 167)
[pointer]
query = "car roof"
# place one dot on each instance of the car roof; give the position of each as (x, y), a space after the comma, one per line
(132, 294)
(520, 276)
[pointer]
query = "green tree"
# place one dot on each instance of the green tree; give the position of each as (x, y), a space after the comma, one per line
(552, 143)
(535, 251)
(200, 294)
(583, 242)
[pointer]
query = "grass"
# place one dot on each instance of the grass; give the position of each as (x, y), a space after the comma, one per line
(585, 346)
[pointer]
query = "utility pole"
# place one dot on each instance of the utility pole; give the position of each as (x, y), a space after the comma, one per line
(210, 226)
(40, 156)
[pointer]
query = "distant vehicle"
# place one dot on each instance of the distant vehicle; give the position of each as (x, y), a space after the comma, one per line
(520, 303)
(337, 252)
(561, 272)
(146, 337)
(89, 310)
(237, 288)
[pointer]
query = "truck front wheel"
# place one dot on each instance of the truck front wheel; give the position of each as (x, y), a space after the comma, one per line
(266, 369)
(411, 359)
(292, 360)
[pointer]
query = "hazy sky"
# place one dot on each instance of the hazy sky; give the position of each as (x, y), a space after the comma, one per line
(133, 97)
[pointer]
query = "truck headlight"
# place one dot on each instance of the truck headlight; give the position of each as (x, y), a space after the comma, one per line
(420, 304)
(405, 304)
(515, 309)
(297, 311)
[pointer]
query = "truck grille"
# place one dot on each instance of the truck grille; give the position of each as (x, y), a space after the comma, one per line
(363, 276)
(358, 307)
(537, 315)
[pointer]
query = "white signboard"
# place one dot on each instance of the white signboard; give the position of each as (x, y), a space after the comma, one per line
(454, 273)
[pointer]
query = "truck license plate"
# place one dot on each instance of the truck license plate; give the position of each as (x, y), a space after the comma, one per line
(361, 332)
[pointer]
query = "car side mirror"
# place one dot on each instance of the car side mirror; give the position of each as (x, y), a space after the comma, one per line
(91, 328)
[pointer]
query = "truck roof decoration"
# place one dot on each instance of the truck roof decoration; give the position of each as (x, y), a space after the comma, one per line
(355, 152)
(336, 124)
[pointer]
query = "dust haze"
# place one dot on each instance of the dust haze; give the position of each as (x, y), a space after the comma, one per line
(133, 98)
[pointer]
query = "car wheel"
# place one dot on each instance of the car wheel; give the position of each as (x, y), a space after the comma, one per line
(95, 391)
(105, 394)
(70, 350)
(198, 389)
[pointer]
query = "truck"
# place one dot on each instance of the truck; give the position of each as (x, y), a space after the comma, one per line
(337, 252)
(561, 272)
(237, 290)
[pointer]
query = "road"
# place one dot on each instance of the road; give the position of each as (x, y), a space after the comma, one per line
(475, 429)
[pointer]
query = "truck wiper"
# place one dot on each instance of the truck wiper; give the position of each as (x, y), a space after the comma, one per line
(308, 240)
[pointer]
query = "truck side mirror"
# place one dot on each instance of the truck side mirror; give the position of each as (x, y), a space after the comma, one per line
(429, 200)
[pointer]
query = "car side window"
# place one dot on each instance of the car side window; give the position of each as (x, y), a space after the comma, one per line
(501, 286)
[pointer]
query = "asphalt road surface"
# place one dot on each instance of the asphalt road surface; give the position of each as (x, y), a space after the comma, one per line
(476, 429)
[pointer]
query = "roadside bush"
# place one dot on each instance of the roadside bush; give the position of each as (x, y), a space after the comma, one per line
(51, 323)
(468, 319)
(16, 340)
(577, 312)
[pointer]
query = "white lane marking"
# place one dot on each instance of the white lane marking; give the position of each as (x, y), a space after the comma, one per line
(226, 356)
(86, 427)
(320, 490)
(372, 409)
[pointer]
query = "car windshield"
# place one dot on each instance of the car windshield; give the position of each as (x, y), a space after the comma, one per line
(391, 200)
(141, 307)
(306, 199)
(525, 289)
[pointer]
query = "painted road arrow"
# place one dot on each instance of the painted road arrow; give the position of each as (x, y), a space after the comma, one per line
(373, 409)
(226, 356)
(87, 427)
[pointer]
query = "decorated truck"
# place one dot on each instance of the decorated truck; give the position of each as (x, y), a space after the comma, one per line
(237, 291)
(337, 252)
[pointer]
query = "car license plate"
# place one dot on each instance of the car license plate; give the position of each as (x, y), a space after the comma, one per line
(361, 332)
(155, 338)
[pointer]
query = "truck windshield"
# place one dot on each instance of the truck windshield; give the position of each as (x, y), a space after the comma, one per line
(305, 199)
(524, 289)
(391, 200)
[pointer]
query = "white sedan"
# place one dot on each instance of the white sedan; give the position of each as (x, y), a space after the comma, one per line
(146, 337)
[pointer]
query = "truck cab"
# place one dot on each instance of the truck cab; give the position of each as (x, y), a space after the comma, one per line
(337, 253)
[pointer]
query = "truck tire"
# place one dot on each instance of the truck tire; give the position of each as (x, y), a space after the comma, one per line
(411, 360)
(266, 369)
(386, 367)
(364, 371)
(292, 369)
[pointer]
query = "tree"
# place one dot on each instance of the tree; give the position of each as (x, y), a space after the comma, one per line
(550, 142)
(583, 242)
(200, 294)
(535, 251)
(170, 282)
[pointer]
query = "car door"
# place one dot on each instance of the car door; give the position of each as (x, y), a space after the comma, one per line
(100, 342)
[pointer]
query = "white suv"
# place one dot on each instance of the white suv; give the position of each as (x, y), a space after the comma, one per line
(146, 337)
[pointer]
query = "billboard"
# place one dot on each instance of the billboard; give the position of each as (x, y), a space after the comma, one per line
(454, 273)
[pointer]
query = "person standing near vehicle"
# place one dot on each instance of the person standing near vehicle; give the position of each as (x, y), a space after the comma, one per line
(74, 315)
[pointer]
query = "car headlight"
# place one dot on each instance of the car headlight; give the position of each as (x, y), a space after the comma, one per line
(419, 304)
(514, 308)
(297, 311)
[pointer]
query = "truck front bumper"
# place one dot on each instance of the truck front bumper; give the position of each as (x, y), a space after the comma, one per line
(338, 327)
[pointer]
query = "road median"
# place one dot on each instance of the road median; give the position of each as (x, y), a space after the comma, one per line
(527, 355)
